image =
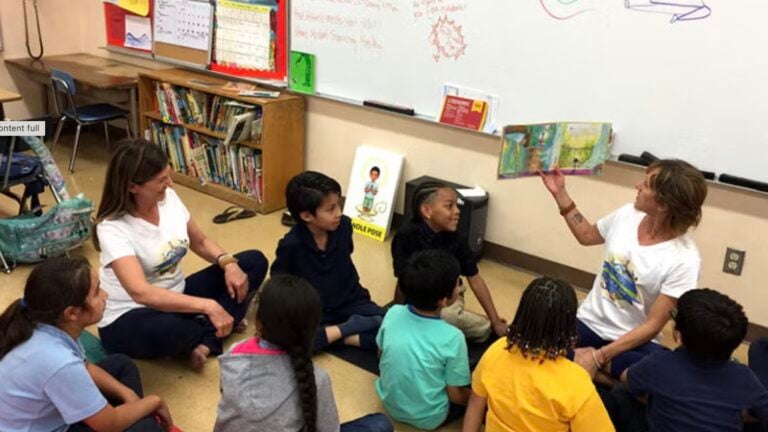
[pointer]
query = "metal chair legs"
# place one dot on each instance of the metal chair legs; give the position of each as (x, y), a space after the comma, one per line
(59, 126)
(74, 149)
(106, 134)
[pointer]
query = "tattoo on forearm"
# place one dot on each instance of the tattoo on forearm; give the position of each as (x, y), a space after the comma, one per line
(578, 218)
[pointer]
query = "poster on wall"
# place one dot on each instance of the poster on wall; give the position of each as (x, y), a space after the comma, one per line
(371, 193)
(127, 29)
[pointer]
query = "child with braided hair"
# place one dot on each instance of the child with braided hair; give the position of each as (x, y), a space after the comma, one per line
(269, 382)
(525, 382)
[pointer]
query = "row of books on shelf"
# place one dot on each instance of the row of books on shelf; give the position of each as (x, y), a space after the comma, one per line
(182, 105)
(210, 160)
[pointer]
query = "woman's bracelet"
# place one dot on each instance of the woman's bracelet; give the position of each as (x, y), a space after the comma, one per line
(567, 209)
(225, 259)
(594, 357)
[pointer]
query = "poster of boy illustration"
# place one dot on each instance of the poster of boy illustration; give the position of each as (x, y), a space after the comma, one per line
(371, 193)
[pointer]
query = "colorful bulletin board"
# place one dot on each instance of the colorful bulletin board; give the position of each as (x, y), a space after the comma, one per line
(245, 38)
(250, 39)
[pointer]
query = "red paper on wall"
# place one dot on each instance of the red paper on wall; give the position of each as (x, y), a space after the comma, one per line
(115, 20)
(463, 112)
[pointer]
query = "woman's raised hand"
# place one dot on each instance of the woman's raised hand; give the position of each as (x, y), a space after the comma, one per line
(554, 181)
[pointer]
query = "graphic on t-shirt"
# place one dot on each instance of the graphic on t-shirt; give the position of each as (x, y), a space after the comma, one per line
(175, 251)
(618, 281)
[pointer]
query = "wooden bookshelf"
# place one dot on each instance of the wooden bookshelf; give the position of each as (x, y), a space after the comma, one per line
(281, 144)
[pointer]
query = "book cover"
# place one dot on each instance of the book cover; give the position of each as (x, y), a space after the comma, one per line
(371, 194)
(464, 112)
(239, 128)
(577, 148)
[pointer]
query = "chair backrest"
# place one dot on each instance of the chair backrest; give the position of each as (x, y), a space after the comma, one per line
(62, 82)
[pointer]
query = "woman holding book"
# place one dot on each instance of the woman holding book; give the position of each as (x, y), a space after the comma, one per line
(143, 230)
(650, 261)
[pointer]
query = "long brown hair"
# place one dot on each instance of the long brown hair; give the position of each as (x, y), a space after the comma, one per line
(135, 161)
(289, 312)
(682, 189)
(52, 287)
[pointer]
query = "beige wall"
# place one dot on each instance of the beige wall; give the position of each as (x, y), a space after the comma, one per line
(522, 216)
(61, 23)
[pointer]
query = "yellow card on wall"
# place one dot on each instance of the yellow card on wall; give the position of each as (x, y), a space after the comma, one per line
(139, 7)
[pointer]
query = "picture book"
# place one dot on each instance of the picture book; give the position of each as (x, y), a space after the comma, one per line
(370, 201)
(577, 148)
(239, 128)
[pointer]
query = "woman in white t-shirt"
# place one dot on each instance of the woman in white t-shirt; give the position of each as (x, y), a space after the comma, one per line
(650, 260)
(143, 230)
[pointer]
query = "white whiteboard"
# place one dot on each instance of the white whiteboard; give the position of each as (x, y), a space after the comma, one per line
(695, 89)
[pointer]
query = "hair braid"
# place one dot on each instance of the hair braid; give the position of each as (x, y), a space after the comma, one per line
(305, 382)
(545, 323)
(289, 312)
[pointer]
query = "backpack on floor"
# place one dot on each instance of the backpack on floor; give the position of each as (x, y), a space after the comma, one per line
(29, 238)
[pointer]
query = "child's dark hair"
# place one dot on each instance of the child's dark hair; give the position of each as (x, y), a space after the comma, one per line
(711, 324)
(425, 193)
(53, 286)
(289, 312)
(428, 277)
(545, 322)
(306, 191)
(375, 168)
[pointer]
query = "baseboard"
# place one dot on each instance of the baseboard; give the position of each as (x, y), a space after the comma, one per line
(579, 279)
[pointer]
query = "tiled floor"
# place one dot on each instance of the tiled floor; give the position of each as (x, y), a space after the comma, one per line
(192, 397)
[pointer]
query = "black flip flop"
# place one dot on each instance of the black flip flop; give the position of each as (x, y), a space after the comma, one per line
(233, 213)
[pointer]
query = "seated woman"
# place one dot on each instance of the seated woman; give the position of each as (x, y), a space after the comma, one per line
(649, 262)
(143, 230)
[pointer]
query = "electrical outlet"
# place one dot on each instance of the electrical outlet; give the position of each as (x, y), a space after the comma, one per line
(734, 261)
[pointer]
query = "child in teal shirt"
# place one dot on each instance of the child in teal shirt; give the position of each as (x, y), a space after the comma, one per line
(424, 366)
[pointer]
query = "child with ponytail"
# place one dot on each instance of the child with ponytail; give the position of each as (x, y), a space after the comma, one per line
(47, 384)
(269, 383)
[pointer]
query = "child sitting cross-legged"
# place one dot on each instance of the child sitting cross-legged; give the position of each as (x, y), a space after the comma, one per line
(268, 383)
(696, 387)
(424, 366)
(46, 384)
(435, 225)
(525, 383)
(319, 249)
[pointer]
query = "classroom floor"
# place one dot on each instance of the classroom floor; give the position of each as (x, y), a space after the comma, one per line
(192, 397)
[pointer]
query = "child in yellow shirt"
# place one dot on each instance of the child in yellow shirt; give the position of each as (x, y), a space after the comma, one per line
(524, 382)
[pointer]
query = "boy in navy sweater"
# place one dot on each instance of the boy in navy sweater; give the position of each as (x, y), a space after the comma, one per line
(697, 387)
(319, 249)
